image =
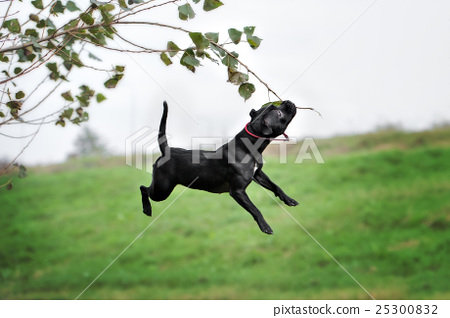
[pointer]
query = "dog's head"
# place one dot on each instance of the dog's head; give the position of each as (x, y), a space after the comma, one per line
(271, 121)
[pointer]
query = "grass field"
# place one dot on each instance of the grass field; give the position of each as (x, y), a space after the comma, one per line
(380, 205)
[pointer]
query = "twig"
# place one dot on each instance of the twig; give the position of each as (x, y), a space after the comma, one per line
(16, 137)
(247, 68)
(7, 182)
(310, 108)
(145, 9)
(150, 23)
(6, 14)
(2, 172)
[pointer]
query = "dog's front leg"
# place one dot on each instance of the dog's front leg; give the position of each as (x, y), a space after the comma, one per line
(242, 198)
(263, 180)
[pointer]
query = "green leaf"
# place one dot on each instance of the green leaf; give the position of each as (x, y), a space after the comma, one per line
(113, 81)
(107, 7)
(73, 24)
(38, 4)
(165, 59)
(52, 67)
(84, 101)
(67, 113)
(100, 38)
(199, 40)
(75, 59)
(79, 111)
(246, 90)
(86, 91)
(186, 12)
(236, 77)
(109, 32)
(276, 103)
(172, 48)
(71, 6)
(58, 7)
(2, 115)
(196, 1)
(100, 98)
(94, 57)
(3, 58)
(22, 171)
(189, 61)
(45, 24)
(61, 122)
(20, 95)
(235, 35)
(87, 18)
(211, 5)
(67, 96)
(67, 65)
(14, 105)
(248, 30)
(230, 60)
(188, 58)
(12, 25)
(253, 41)
(31, 32)
(219, 52)
(123, 5)
(119, 68)
(34, 17)
(17, 70)
(214, 37)
(31, 57)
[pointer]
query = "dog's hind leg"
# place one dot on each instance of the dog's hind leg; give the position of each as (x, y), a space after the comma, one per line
(162, 183)
(145, 201)
(158, 191)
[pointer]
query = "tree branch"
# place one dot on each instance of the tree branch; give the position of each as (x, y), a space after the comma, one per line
(247, 68)
(50, 37)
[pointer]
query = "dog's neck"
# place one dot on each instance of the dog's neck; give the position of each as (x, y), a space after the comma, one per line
(260, 142)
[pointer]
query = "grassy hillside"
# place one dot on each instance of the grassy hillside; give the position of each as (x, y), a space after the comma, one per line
(380, 205)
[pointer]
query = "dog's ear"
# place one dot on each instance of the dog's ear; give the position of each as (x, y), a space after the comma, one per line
(252, 113)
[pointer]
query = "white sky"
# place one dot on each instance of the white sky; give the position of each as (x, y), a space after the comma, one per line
(361, 63)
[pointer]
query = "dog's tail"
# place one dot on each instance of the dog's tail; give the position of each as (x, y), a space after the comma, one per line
(162, 139)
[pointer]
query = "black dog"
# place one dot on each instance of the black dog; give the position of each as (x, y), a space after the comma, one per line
(230, 168)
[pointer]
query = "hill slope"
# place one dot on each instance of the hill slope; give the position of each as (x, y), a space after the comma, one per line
(381, 209)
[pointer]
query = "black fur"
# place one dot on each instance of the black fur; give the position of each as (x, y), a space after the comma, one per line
(230, 168)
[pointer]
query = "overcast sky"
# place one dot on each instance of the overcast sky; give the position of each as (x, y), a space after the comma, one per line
(362, 63)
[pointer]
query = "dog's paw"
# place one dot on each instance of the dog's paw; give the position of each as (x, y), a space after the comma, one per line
(265, 228)
(148, 212)
(289, 201)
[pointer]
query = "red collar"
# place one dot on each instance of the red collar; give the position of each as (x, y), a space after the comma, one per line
(271, 139)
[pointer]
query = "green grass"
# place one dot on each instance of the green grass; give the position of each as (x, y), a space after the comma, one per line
(379, 205)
